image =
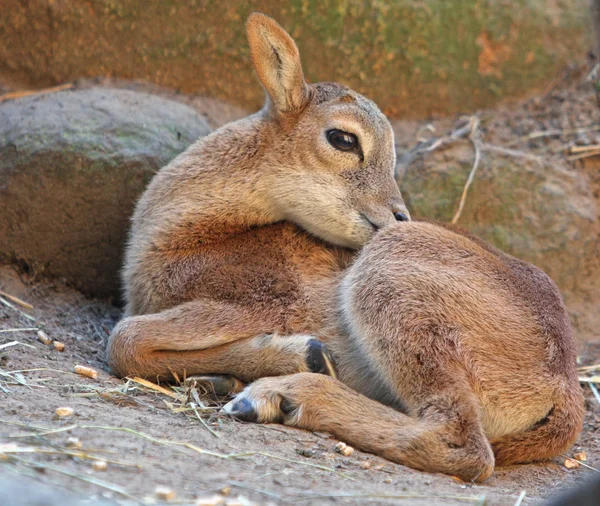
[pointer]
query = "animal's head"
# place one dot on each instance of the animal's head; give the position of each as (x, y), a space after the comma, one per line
(330, 153)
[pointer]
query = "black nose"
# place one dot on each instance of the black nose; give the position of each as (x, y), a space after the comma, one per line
(400, 217)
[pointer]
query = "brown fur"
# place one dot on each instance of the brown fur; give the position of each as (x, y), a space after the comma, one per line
(451, 354)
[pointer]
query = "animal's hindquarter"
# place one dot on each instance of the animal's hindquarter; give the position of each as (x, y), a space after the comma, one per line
(421, 294)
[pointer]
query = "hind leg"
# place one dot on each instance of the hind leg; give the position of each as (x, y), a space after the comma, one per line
(441, 432)
(444, 439)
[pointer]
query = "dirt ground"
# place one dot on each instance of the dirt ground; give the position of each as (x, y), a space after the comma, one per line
(153, 439)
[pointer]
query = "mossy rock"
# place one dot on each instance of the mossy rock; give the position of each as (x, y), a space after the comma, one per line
(414, 58)
(72, 165)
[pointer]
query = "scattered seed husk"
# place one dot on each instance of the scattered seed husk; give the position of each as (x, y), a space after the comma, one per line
(580, 456)
(64, 412)
(86, 371)
(366, 465)
(43, 338)
(99, 465)
(74, 442)
(164, 493)
(58, 346)
(571, 464)
(344, 449)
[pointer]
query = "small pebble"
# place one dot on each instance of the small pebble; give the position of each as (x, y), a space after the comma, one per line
(58, 346)
(64, 412)
(307, 452)
(572, 464)
(164, 493)
(43, 338)
(344, 449)
(99, 465)
(225, 491)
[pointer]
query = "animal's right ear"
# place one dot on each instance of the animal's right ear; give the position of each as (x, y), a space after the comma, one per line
(277, 63)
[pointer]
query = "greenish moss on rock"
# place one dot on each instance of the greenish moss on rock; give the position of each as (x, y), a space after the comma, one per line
(414, 58)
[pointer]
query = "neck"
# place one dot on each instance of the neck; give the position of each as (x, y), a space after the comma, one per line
(215, 189)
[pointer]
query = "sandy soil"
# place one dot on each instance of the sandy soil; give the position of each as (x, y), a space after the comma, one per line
(279, 466)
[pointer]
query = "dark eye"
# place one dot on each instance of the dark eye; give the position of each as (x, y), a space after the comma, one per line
(343, 141)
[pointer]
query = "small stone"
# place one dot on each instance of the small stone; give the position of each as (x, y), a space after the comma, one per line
(387, 480)
(309, 453)
(580, 456)
(225, 491)
(58, 346)
(164, 493)
(366, 465)
(99, 465)
(64, 412)
(344, 449)
(572, 464)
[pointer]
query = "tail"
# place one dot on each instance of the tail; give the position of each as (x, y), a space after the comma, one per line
(549, 437)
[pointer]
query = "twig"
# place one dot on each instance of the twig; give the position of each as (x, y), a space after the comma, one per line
(583, 149)
(589, 154)
(556, 132)
(193, 406)
(8, 304)
(595, 391)
(589, 368)
(15, 343)
(257, 490)
(26, 329)
(580, 463)
(592, 379)
(476, 141)
(74, 454)
(510, 152)
(93, 481)
(155, 387)
(189, 446)
(520, 498)
(20, 94)
(16, 300)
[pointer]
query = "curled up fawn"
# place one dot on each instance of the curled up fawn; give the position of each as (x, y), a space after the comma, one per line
(279, 246)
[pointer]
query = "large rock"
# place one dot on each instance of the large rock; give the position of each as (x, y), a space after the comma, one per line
(533, 209)
(413, 57)
(72, 165)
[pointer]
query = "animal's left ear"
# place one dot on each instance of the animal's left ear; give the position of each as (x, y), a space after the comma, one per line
(277, 63)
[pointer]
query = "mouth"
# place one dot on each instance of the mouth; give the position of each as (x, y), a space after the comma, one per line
(373, 225)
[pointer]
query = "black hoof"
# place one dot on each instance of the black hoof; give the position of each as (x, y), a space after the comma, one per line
(242, 409)
(216, 385)
(319, 360)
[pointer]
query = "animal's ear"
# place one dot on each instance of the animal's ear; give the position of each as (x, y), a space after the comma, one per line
(277, 63)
